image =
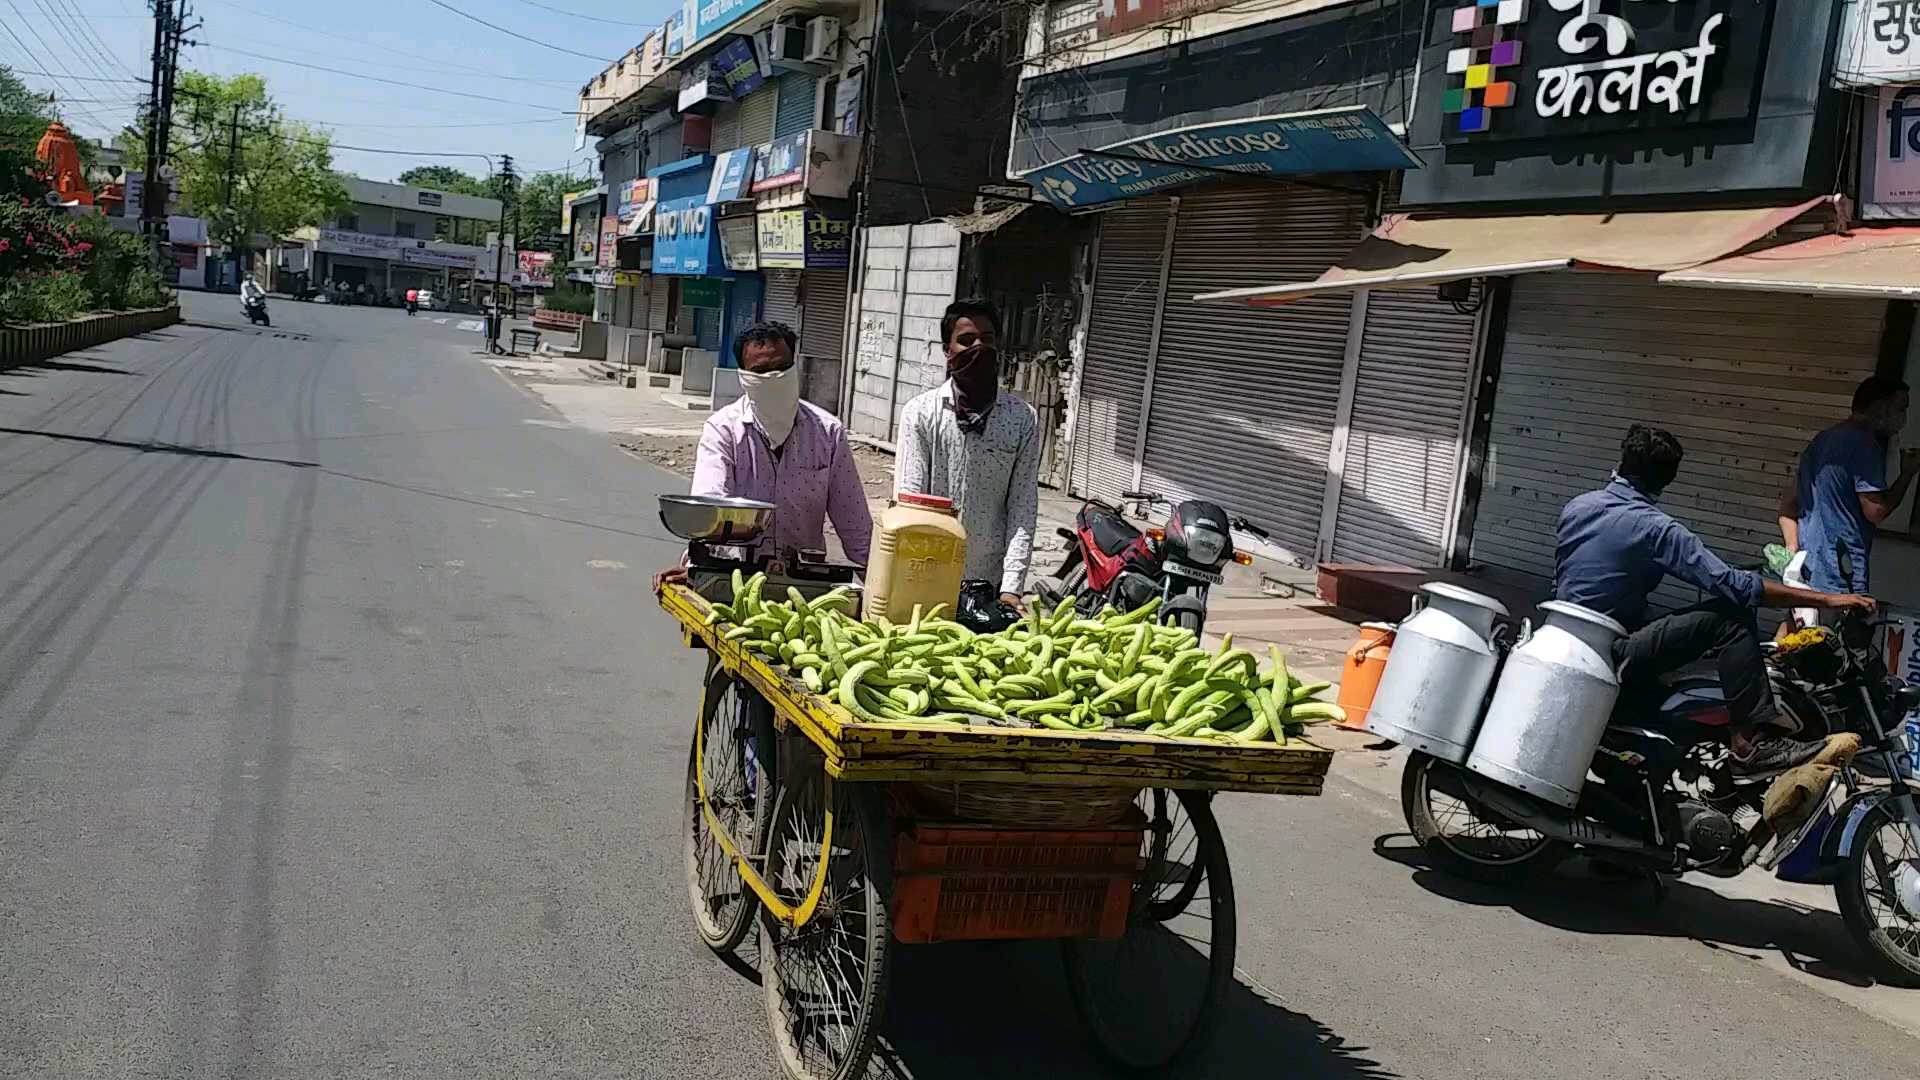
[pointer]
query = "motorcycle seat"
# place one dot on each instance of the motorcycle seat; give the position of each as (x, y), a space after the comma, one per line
(1111, 533)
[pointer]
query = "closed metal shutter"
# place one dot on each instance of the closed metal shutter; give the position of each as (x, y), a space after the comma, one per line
(756, 117)
(1126, 292)
(659, 303)
(1744, 379)
(782, 300)
(823, 328)
(666, 146)
(1406, 432)
(797, 98)
(1243, 400)
(726, 129)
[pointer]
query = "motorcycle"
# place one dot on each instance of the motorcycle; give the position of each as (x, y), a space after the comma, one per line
(256, 311)
(1109, 561)
(1662, 798)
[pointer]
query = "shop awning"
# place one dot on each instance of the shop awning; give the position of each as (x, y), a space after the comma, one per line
(1411, 252)
(1883, 263)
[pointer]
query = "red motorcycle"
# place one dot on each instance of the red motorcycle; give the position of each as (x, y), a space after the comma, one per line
(1109, 561)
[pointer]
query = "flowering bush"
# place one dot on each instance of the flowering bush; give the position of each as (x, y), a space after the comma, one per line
(50, 296)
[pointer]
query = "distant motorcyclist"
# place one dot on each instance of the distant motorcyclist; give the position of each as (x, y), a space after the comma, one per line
(251, 292)
(413, 301)
(1614, 546)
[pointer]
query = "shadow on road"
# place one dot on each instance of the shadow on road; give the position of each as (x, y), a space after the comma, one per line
(149, 447)
(971, 1010)
(1573, 899)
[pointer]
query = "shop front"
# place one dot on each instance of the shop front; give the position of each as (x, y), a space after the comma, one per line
(1590, 186)
(803, 255)
(1315, 421)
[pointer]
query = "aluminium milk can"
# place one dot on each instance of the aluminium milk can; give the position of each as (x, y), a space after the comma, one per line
(1555, 697)
(1437, 676)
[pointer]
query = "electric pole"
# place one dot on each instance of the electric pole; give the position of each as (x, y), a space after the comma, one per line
(505, 190)
(169, 28)
(235, 234)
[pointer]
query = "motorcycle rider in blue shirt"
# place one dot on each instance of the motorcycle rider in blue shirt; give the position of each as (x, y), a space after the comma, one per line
(1613, 548)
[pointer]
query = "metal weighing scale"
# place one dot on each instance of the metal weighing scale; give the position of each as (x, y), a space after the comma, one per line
(721, 532)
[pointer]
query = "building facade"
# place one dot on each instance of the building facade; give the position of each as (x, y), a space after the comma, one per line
(392, 238)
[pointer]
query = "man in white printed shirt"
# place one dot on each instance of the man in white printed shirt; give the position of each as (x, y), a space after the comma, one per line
(967, 441)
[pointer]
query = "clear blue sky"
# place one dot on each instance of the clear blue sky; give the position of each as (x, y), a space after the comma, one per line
(406, 40)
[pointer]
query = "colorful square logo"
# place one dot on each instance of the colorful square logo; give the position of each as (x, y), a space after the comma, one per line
(1485, 41)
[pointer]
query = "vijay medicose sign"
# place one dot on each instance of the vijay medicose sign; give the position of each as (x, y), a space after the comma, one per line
(1346, 139)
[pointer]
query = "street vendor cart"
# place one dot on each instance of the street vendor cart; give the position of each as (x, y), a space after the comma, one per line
(838, 835)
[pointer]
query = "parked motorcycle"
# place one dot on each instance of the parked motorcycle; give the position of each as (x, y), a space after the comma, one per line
(1661, 796)
(1109, 561)
(256, 311)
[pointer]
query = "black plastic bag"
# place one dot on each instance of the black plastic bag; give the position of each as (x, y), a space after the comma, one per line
(981, 609)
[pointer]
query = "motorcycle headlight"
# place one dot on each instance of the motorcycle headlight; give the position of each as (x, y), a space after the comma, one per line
(1204, 545)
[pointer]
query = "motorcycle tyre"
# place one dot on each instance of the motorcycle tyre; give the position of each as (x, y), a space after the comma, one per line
(1426, 832)
(1895, 965)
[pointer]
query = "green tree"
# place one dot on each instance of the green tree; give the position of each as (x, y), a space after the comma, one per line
(540, 197)
(246, 168)
(446, 178)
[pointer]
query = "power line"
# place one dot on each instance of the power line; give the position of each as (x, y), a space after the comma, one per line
(383, 48)
(51, 56)
(57, 75)
(376, 78)
(516, 33)
(589, 18)
(99, 44)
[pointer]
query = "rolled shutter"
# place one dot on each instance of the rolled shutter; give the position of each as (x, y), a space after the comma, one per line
(1244, 399)
(726, 129)
(756, 117)
(782, 300)
(794, 111)
(1405, 433)
(1743, 379)
(666, 146)
(823, 327)
(658, 303)
(1126, 290)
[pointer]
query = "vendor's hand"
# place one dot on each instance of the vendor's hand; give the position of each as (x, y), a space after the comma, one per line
(674, 575)
(1865, 605)
(1013, 601)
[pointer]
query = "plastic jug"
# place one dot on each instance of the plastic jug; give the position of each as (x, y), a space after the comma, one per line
(1360, 673)
(919, 556)
(1437, 677)
(1555, 697)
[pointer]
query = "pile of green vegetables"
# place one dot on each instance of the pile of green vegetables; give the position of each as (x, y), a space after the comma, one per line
(1053, 670)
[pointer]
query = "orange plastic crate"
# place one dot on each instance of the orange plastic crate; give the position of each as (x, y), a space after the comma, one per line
(968, 883)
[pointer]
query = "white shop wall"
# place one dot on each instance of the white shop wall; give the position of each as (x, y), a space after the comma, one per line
(909, 274)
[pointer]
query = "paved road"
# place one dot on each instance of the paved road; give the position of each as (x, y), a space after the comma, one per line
(339, 737)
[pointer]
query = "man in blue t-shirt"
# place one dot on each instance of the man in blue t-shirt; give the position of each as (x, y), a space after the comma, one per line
(1840, 491)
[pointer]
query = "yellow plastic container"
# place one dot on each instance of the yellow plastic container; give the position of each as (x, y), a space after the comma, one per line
(919, 556)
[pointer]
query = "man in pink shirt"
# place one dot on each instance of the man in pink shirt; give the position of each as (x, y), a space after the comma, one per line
(772, 446)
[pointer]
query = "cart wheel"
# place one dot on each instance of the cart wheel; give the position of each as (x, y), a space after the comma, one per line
(1173, 851)
(826, 981)
(1147, 997)
(723, 907)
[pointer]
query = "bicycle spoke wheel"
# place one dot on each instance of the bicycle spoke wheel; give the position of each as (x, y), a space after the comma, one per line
(825, 981)
(1172, 850)
(1147, 998)
(738, 792)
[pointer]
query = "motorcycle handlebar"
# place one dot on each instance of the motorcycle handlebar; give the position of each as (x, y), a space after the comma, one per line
(1142, 496)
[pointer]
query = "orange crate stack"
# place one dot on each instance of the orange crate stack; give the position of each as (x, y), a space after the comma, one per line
(969, 883)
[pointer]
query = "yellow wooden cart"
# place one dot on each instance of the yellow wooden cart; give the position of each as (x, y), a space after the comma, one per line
(839, 839)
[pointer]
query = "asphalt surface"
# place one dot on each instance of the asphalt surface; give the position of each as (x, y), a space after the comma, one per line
(340, 737)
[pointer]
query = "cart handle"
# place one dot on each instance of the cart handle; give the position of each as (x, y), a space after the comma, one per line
(794, 916)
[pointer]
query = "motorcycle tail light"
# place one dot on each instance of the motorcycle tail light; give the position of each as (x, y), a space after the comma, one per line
(1156, 534)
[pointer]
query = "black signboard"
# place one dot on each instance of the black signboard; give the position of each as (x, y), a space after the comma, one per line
(1558, 69)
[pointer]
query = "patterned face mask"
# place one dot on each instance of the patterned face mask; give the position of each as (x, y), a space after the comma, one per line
(975, 372)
